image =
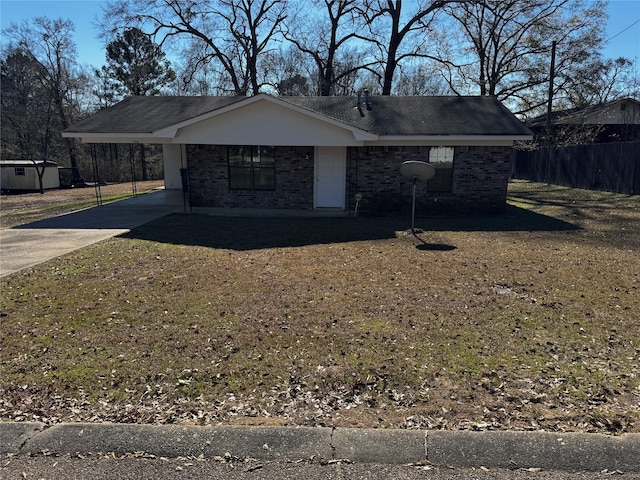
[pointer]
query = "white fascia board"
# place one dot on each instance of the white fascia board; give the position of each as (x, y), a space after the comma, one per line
(116, 137)
(172, 131)
(363, 136)
(106, 135)
(145, 140)
(450, 140)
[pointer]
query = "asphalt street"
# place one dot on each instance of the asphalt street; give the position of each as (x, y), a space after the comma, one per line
(105, 467)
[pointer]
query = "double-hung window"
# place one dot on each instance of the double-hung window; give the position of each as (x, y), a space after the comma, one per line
(442, 160)
(252, 168)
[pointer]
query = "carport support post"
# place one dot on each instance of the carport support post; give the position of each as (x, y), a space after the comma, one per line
(96, 177)
(550, 97)
(132, 156)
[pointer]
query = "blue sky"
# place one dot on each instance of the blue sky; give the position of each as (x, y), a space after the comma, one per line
(623, 14)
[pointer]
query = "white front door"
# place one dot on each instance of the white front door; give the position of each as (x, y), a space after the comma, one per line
(331, 176)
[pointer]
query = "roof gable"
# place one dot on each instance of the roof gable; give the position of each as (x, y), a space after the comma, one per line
(265, 120)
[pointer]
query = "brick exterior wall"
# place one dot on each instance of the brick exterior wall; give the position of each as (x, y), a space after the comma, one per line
(209, 180)
(480, 178)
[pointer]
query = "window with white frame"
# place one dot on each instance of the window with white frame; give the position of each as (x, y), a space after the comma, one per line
(442, 160)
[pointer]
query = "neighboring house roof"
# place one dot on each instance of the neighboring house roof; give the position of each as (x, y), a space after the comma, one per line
(376, 118)
(624, 111)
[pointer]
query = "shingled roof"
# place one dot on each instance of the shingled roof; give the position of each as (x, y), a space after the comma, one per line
(623, 111)
(383, 116)
(417, 115)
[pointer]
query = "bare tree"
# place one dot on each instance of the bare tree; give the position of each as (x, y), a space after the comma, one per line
(398, 34)
(504, 47)
(23, 102)
(422, 79)
(326, 37)
(598, 81)
(25, 111)
(48, 44)
(232, 33)
(197, 75)
(287, 70)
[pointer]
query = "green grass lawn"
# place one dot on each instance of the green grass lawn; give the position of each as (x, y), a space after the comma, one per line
(526, 320)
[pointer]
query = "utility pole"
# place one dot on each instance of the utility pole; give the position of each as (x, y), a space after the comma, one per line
(550, 99)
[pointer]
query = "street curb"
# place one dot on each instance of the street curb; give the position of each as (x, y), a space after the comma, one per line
(13, 436)
(265, 443)
(384, 446)
(556, 451)
(491, 449)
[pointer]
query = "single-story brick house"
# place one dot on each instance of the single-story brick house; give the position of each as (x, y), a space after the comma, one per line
(314, 153)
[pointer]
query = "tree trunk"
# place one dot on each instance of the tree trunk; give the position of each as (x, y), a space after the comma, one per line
(326, 80)
(76, 179)
(394, 43)
(390, 68)
(388, 76)
(40, 175)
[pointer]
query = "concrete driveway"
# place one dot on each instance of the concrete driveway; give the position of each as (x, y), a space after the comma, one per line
(28, 245)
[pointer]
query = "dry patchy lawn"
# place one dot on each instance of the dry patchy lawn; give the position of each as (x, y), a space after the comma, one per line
(527, 320)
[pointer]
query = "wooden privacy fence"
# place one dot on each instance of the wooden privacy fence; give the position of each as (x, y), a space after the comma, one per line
(612, 167)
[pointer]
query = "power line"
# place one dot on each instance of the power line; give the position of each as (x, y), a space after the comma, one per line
(621, 32)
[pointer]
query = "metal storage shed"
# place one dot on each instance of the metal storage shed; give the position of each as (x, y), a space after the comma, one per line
(21, 175)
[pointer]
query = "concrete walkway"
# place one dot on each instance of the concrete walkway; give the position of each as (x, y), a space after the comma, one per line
(31, 244)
